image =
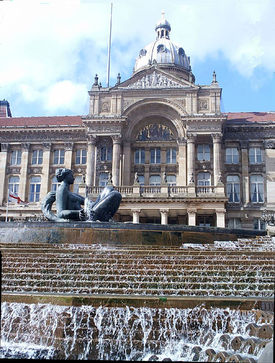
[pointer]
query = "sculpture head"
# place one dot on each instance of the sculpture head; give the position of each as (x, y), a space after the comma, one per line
(64, 174)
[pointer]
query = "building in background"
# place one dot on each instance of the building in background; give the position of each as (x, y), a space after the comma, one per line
(171, 152)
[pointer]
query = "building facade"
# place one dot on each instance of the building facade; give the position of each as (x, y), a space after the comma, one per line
(161, 139)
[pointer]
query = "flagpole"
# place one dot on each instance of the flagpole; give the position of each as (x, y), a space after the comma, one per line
(7, 209)
(109, 48)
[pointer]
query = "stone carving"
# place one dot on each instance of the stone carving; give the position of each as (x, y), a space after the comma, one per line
(69, 205)
(203, 104)
(105, 107)
(155, 80)
(155, 132)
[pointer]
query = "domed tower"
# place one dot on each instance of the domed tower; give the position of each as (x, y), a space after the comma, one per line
(165, 54)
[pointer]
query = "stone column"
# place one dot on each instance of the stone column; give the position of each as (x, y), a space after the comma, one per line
(220, 218)
(116, 159)
(245, 173)
(24, 171)
(164, 216)
(127, 163)
(45, 170)
(216, 158)
(135, 215)
(68, 155)
(3, 169)
(191, 217)
(181, 180)
(90, 160)
(190, 158)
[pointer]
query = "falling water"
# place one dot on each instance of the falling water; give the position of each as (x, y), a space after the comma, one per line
(48, 331)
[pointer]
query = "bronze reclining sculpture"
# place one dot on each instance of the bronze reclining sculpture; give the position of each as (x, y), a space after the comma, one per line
(68, 204)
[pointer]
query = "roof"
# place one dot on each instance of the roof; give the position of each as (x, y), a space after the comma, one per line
(41, 121)
(248, 117)
(232, 117)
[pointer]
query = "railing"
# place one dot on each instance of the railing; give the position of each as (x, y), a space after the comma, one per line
(172, 191)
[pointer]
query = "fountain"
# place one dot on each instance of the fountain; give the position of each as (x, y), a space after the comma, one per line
(72, 296)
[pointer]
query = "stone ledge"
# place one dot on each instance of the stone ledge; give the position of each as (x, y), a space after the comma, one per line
(183, 302)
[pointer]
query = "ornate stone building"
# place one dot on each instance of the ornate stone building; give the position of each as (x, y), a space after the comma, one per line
(171, 152)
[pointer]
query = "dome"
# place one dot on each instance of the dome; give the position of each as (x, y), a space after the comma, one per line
(162, 51)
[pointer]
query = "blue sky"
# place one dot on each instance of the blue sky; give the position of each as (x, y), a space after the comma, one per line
(51, 49)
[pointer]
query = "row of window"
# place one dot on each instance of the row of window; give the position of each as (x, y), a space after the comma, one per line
(58, 157)
(256, 188)
(203, 180)
(35, 186)
(203, 154)
(155, 156)
(232, 155)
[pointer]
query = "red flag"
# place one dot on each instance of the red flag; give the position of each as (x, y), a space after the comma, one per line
(19, 200)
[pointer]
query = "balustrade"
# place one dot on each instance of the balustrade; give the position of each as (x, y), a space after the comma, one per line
(159, 190)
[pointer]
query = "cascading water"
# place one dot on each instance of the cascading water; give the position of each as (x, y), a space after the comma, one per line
(48, 331)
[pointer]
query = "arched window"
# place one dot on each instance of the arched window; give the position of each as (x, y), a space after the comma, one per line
(203, 181)
(35, 185)
(103, 179)
(13, 185)
(155, 180)
(77, 182)
(256, 189)
(55, 184)
(171, 180)
(233, 188)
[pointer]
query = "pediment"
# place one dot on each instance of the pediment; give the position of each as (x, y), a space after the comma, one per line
(155, 80)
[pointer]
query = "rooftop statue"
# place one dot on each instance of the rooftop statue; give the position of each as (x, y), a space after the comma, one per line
(69, 205)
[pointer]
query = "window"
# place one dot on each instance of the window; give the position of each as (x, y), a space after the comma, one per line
(16, 157)
(35, 184)
(203, 152)
(139, 156)
(171, 180)
(141, 179)
(106, 153)
(171, 156)
(58, 156)
(259, 224)
(37, 157)
(155, 180)
(81, 156)
(233, 188)
(234, 223)
(256, 189)
(77, 182)
(255, 155)
(13, 185)
(55, 184)
(232, 155)
(155, 155)
(204, 179)
(103, 179)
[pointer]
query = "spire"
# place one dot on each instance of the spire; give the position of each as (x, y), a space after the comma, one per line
(163, 27)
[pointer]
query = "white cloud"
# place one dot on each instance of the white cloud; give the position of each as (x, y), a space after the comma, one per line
(52, 45)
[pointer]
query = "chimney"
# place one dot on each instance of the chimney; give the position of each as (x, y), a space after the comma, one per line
(5, 109)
